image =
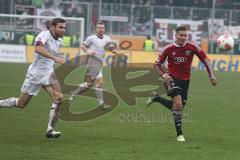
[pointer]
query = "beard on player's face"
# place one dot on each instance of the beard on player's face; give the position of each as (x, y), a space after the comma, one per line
(59, 30)
(60, 34)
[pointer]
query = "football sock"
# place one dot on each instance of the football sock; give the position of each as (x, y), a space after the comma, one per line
(177, 116)
(10, 102)
(165, 102)
(99, 94)
(83, 87)
(53, 115)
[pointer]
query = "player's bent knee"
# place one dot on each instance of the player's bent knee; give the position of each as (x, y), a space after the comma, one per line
(100, 85)
(22, 104)
(58, 99)
(89, 84)
(177, 105)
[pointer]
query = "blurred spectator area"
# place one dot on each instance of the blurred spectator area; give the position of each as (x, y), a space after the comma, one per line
(140, 13)
(230, 4)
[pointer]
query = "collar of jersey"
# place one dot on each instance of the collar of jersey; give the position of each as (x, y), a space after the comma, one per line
(53, 35)
(175, 44)
(99, 36)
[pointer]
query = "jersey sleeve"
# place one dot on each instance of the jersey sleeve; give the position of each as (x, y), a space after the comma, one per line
(109, 44)
(61, 41)
(41, 39)
(204, 59)
(109, 39)
(87, 43)
(158, 65)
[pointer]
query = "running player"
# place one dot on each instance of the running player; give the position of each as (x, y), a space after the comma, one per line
(179, 56)
(95, 46)
(41, 74)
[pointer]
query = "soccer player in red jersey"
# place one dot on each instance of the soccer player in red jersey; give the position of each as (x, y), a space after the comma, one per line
(179, 56)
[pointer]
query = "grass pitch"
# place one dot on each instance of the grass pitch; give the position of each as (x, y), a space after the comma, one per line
(211, 126)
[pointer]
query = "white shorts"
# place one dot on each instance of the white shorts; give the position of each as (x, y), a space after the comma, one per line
(94, 68)
(32, 88)
(100, 74)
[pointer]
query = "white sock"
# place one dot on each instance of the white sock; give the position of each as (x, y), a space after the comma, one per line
(99, 94)
(53, 117)
(83, 87)
(10, 102)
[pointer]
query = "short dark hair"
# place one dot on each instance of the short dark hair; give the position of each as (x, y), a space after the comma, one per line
(55, 21)
(99, 23)
(181, 28)
(48, 24)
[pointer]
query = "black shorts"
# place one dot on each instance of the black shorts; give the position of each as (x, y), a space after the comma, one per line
(178, 87)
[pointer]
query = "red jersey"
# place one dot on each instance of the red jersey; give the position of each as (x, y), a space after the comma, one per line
(180, 58)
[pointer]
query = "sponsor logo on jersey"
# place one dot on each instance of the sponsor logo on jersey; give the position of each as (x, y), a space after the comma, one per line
(188, 53)
(178, 60)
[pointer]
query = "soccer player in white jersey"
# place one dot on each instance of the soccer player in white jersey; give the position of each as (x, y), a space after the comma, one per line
(41, 74)
(95, 46)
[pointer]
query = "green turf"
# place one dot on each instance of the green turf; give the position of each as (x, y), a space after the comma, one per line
(211, 125)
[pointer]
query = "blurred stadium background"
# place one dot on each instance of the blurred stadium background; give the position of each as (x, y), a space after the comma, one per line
(212, 115)
(128, 21)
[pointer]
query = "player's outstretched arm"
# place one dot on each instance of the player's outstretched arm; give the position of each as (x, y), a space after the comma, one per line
(85, 49)
(204, 59)
(42, 51)
(210, 70)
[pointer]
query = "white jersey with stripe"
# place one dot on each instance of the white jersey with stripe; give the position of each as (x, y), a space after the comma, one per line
(97, 44)
(41, 65)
